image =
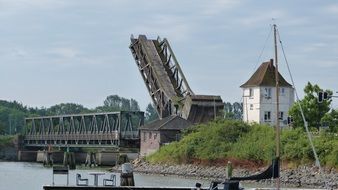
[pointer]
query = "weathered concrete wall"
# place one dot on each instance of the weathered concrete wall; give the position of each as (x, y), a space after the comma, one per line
(8, 153)
(80, 157)
(106, 158)
(58, 157)
(40, 156)
(102, 158)
(27, 156)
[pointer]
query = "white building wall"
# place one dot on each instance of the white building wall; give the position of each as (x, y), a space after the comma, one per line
(251, 105)
(255, 107)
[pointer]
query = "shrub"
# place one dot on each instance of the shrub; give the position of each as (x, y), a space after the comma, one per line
(223, 139)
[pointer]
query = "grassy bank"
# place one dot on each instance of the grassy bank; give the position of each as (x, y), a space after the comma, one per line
(227, 139)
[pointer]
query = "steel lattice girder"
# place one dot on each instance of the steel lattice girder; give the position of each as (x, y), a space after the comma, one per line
(109, 128)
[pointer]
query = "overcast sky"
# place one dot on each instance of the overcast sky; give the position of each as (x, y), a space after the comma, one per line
(58, 51)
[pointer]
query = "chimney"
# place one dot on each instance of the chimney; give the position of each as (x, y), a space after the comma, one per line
(271, 63)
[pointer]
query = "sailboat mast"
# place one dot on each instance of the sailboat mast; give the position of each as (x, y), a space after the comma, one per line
(277, 104)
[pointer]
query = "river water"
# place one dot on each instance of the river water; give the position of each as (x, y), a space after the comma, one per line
(32, 176)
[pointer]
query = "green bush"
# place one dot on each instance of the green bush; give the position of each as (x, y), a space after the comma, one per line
(256, 145)
(203, 142)
(6, 140)
(295, 145)
(223, 139)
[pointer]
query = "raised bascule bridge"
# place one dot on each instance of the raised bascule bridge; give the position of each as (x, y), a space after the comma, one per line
(167, 85)
(169, 91)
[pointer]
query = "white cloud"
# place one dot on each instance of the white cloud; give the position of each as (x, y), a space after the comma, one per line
(19, 52)
(22, 4)
(177, 28)
(13, 7)
(314, 47)
(261, 17)
(65, 52)
(332, 9)
(328, 64)
(218, 6)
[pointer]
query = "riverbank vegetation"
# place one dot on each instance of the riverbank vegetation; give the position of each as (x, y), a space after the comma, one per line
(6, 141)
(235, 140)
(12, 114)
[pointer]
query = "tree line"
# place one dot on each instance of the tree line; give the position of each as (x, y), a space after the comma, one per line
(12, 114)
(318, 115)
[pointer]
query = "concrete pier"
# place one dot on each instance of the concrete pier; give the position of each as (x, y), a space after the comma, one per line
(69, 160)
(90, 159)
(58, 157)
(27, 156)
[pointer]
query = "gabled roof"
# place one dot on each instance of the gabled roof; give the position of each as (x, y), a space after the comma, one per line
(172, 122)
(265, 76)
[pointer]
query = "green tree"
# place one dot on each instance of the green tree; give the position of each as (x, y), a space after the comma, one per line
(12, 116)
(313, 111)
(67, 108)
(233, 111)
(117, 103)
(134, 105)
(150, 114)
(2, 128)
(330, 120)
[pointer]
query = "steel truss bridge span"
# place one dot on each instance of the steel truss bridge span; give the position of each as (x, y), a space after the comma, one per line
(110, 129)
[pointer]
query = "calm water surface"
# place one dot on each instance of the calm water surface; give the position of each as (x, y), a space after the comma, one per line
(32, 176)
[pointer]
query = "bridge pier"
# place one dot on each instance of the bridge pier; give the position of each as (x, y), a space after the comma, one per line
(27, 156)
(91, 159)
(69, 160)
(46, 157)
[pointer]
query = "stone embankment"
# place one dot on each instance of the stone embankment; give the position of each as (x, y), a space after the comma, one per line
(302, 176)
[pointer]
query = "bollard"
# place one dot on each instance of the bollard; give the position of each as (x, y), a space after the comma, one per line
(229, 170)
(127, 176)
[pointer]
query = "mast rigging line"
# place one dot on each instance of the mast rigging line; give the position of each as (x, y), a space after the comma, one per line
(301, 110)
(264, 46)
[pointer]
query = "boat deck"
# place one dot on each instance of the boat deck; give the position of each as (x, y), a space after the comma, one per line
(49, 187)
